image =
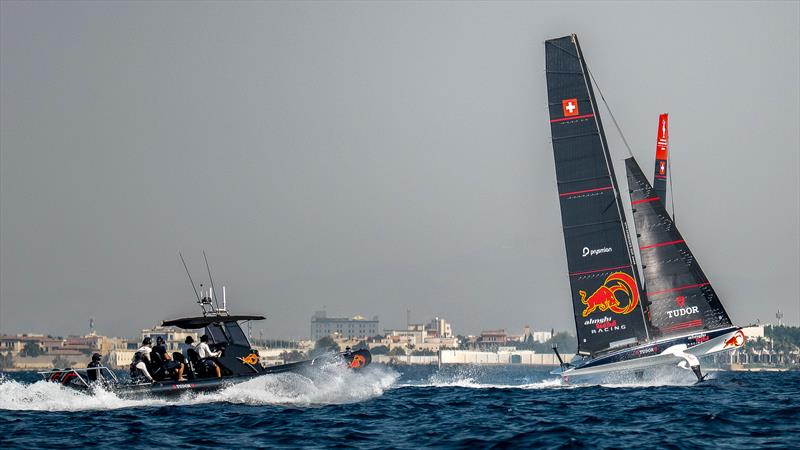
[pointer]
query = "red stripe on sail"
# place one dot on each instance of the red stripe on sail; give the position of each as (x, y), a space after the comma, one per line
(585, 191)
(585, 116)
(645, 200)
(661, 244)
(690, 324)
(688, 286)
(607, 269)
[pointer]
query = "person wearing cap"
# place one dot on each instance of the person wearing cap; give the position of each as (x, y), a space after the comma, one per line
(145, 349)
(167, 363)
(94, 374)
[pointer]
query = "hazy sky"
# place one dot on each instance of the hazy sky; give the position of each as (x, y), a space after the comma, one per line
(372, 157)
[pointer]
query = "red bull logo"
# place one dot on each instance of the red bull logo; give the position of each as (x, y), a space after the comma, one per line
(358, 362)
(737, 340)
(606, 298)
(251, 359)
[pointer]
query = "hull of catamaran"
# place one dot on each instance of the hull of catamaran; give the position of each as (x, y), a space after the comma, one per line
(671, 351)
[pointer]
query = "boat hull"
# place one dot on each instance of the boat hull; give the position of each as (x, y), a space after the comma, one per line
(654, 354)
(76, 379)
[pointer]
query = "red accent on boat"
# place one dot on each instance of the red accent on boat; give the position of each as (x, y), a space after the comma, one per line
(688, 286)
(645, 200)
(607, 269)
(585, 191)
(661, 244)
(661, 177)
(585, 116)
(690, 324)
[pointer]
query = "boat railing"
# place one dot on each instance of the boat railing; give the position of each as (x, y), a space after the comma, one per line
(81, 375)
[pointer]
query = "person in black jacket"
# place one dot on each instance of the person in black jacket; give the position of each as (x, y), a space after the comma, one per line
(167, 363)
(94, 375)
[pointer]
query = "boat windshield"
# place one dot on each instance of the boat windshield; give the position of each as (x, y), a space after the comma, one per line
(236, 334)
(228, 332)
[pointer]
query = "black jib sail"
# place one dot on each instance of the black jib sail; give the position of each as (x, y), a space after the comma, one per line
(606, 297)
(681, 298)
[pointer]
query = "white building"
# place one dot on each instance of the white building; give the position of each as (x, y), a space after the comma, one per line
(356, 327)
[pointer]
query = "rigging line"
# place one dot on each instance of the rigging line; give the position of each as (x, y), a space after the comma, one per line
(671, 190)
(190, 276)
(613, 119)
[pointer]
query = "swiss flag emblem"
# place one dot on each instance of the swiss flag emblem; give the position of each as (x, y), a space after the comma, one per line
(662, 168)
(570, 106)
(681, 300)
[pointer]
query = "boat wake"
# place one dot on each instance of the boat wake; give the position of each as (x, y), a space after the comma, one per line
(331, 385)
(660, 376)
(476, 377)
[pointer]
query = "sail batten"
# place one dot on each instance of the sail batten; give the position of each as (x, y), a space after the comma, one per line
(604, 282)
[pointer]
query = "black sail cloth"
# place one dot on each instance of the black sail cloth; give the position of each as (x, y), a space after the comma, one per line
(606, 296)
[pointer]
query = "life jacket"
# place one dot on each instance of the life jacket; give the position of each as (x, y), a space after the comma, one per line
(134, 371)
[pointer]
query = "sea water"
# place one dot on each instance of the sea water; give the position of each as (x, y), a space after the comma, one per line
(416, 406)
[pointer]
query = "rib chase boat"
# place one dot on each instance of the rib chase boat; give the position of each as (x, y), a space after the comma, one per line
(628, 317)
(238, 361)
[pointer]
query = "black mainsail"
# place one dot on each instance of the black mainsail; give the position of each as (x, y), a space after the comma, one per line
(681, 298)
(606, 295)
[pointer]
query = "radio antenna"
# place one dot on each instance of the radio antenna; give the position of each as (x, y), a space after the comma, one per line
(190, 277)
(216, 299)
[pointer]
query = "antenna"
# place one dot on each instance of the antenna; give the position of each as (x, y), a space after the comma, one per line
(190, 276)
(213, 292)
(224, 301)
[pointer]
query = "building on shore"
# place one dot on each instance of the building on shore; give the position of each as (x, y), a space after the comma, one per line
(37, 351)
(492, 339)
(356, 327)
(431, 337)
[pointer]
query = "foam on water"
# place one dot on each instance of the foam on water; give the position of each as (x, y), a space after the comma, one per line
(331, 385)
(474, 377)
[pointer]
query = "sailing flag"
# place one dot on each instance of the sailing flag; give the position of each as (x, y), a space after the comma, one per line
(662, 145)
(570, 107)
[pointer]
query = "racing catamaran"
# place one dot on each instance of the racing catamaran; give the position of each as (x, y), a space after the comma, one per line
(624, 322)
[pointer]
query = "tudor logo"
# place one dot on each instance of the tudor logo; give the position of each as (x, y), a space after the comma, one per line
(683, 311)
(570, 107)
(680, 300)
(593, 252)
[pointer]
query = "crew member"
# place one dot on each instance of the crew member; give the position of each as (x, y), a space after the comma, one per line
(94, 374)
(187, 344)
(138, 369)
(167, 362)
(145, 349)
(205, 353)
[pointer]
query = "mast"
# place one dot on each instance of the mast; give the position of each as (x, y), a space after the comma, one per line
(610, 164)
(604, 280)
